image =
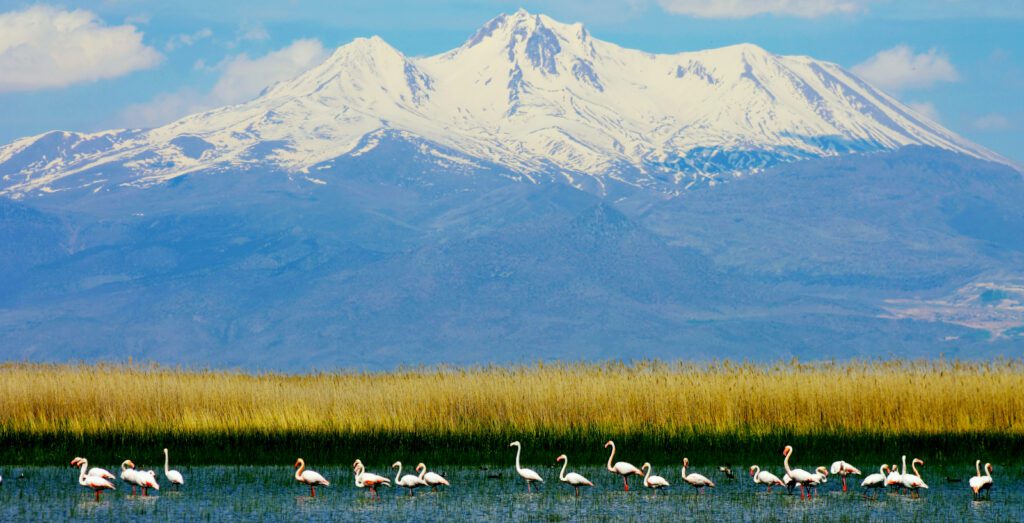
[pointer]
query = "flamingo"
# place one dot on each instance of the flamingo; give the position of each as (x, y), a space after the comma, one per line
(96, 483)
(894, 479)
(408, 481)
(789, 483)
(572, 478)
(621, 467)
(146, 479)
(431, 478)
(95, 471)
(173, 476)
(844, 469)
(913, 482)
(695, 480)
(875, 481)
(128, 473)
(308, 477)
(368, 479)
(653, 482)
(763, 477)
(979, 483)
(819, 476)
(527, 474)
(800, 476)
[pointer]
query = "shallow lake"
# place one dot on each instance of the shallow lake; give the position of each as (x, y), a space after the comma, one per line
(227, 493)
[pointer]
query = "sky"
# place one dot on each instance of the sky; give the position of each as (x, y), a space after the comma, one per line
(99, 64)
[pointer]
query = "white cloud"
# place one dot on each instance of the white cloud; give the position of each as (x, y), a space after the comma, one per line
(186, 40)
(748, 8)
(44, 47)
(926, 109)
(241, 79)
(992, 122)
(899, 68)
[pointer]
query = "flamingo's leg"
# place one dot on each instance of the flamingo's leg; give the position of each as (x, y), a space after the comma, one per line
(625, 484)
(97, 495)
(844, 483)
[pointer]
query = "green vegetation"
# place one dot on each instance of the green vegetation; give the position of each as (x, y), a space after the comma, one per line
(51, 412)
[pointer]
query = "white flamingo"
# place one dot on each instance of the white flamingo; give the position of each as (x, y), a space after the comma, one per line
(309, 477)
(894, 479)
(844, 469)
(527, 474)
(695, 480)
(128, 473)
(409, 481)
(95, 471)
(431, 478)
(913, 482)
(368, 480)
(800, 476)
(572, 478)
(172, 476)
(96, 483)
(763, 477)
(875, 481)
(621, 467)
(653, 482)
(819, 476)
(981, 483)
(146, 479)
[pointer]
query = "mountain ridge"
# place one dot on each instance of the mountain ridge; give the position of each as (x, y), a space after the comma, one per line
(543, 99)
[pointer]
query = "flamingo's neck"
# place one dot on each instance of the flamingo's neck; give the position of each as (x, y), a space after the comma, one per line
(167, 462)
(757, 471)
(561, 475)
(977, 468)
(519, 449)
(904, 465)
(785, 462)
(988, 470)
(647, 473)
(684, 470)
(81, 475)
(913, 465)
(298, 471)
(423, 472)
(399, 473)
(610, 456)
(883, 469)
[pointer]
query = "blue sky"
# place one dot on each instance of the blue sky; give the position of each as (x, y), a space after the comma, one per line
(141, 63)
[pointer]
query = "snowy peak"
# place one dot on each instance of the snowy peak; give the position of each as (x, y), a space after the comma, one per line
(526, 93)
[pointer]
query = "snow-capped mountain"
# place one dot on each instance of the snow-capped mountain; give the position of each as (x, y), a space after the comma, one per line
(536, 97)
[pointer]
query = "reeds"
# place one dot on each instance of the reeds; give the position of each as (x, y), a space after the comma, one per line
(648, 401)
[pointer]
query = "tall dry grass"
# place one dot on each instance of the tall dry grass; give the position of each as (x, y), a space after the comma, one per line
(887, 399)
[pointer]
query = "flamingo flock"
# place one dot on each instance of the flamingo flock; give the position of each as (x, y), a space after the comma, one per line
(894, 477)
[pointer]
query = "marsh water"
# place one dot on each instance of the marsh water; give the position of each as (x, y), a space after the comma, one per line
(229, 493)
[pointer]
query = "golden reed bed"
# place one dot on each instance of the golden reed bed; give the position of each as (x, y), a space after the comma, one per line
(896, 398)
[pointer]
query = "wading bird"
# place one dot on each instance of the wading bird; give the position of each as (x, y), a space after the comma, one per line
(894, 479)
(96, 483)
(621, 467)
(431, 478)
(572, 478)
(844, 469)
(146, 479)
(653, 482)
(727, 470)
(173, 476)
(799, 476)
(697, 481)
(981, 483)
(819, 476)
(875, 481)
(308, 477)
(128, 473)
(95, 471)
(527, 474)
(368, 480)
(763, 477)
(408, 481)
(912, 482)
